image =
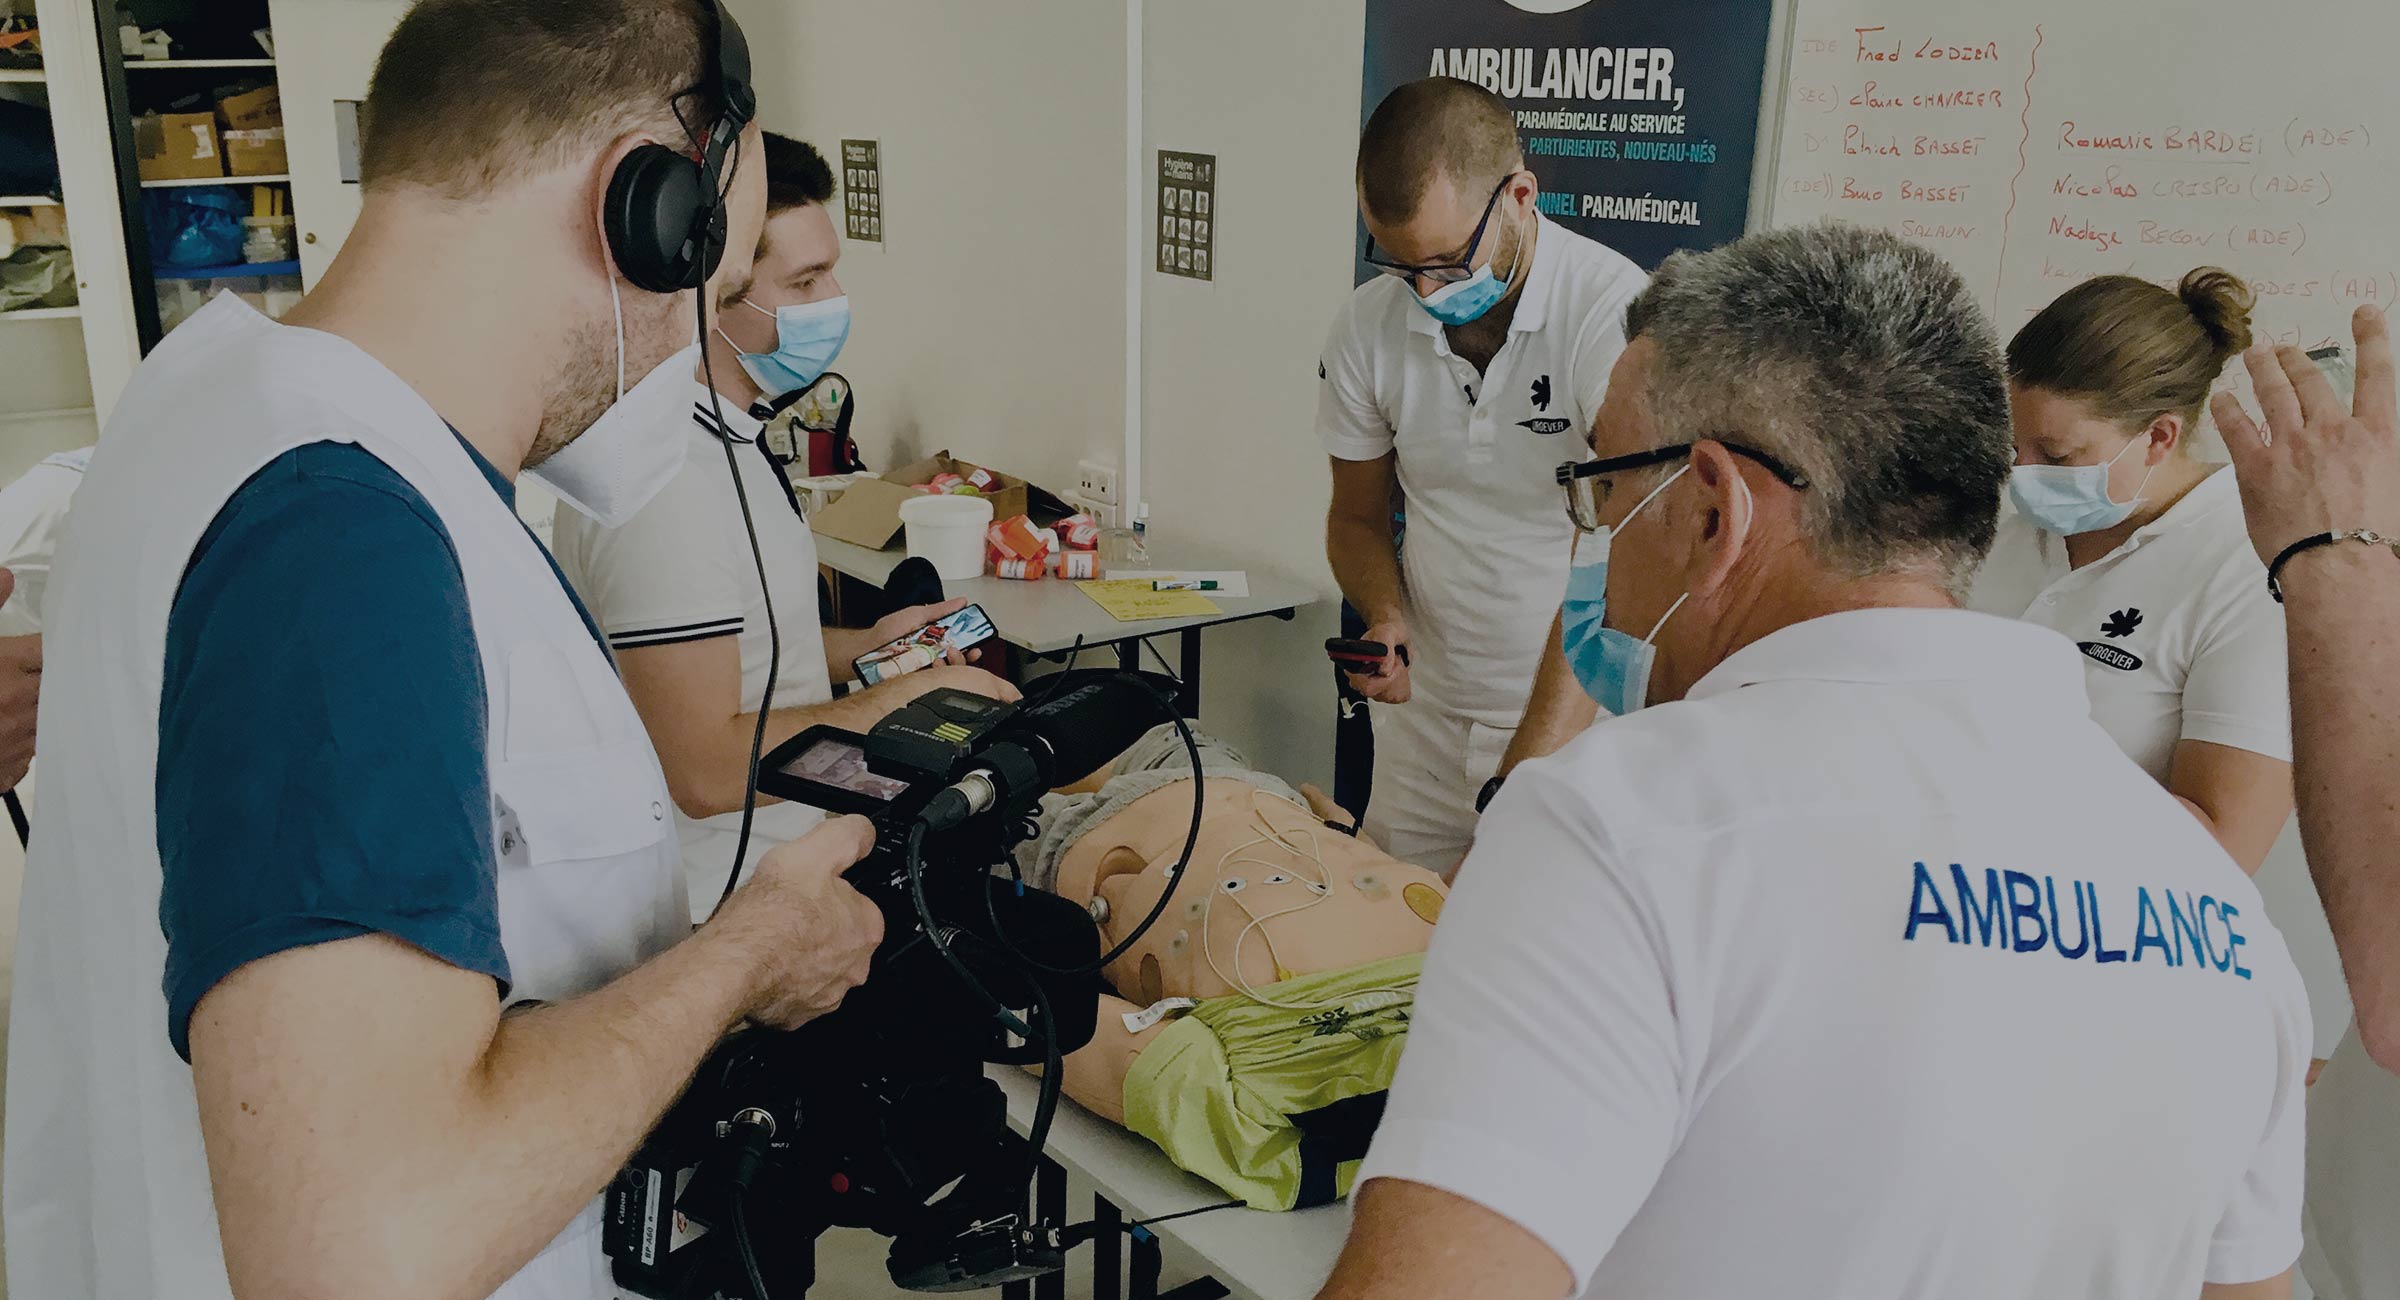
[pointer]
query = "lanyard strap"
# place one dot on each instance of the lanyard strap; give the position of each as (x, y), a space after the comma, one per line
(2366, 535)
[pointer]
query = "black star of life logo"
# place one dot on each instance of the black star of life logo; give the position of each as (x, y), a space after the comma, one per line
(2122, 623)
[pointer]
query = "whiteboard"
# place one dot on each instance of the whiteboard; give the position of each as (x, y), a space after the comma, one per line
(2041, 142)
(2038, 143)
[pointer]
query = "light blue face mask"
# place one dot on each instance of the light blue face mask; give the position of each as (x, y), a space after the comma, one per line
(2072, 499)
(1613, 666)
(1465, 301)
(808, 336)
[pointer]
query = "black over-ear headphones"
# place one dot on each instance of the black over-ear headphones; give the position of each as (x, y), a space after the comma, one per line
(665, 212)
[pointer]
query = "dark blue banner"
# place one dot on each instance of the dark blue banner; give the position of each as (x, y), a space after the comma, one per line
(1639, 117)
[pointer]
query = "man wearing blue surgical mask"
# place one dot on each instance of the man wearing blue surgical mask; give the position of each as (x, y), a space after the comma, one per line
(1452, 385)
(1723, 974)
(676, 587)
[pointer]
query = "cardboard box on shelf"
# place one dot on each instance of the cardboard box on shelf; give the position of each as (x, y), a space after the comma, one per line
(252, 110)
(868, 513)
(177, 146)
(256, 153)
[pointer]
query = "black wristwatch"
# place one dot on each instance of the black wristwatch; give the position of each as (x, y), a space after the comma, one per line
(1483, 797)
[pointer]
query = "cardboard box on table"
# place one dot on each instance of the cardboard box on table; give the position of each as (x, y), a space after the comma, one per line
(868, 513)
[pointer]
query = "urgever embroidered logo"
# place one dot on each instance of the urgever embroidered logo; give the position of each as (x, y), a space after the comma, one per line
(2116, 657)
(1541, 402)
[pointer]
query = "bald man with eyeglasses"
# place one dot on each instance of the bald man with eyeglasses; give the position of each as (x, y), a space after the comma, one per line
(1453, 384)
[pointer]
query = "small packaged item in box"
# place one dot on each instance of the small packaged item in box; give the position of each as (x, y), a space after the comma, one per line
(984, 480)
(268, 239)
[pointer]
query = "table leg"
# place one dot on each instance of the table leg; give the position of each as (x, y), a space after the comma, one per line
(1191, 673)
(1147, 1261)
(1108, 1250)
(1129, 656)
(1050, 1206)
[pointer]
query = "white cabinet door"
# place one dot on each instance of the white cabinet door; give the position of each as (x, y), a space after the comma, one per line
(87, 168)
(324, 53)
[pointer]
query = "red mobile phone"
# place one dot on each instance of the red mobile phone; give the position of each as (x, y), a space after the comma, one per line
(1360, 654)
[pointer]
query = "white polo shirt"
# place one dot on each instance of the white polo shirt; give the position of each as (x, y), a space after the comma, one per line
(2182, 642)
(681, 570)
(2180, 639)
(1488, 544)
(1871, 970)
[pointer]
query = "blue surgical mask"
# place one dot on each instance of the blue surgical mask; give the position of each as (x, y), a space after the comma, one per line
(1465, 301)
(1613, 666)
(808, 336)
(2072, 499)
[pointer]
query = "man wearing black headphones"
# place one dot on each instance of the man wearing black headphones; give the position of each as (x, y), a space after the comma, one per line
(347, 808)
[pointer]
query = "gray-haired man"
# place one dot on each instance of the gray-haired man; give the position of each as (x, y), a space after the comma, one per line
(1859, 963)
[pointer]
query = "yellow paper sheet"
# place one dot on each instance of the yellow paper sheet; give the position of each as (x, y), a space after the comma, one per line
(1132, 601)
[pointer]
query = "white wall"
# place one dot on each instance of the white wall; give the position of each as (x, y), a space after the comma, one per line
(990, 322)
(1272, 88)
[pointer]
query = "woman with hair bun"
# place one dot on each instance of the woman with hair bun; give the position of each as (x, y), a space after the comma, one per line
(2135, 549)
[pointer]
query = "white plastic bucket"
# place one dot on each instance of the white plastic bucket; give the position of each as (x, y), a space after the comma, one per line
(949, 531)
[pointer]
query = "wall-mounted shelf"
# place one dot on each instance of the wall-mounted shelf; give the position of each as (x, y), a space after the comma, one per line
(199, 63)
(238, 270)
(43, 313)
(23, 75)
(280, 178)
(27, 201)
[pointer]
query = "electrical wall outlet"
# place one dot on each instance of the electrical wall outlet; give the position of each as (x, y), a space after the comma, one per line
(1106, 514)
(1097, 482)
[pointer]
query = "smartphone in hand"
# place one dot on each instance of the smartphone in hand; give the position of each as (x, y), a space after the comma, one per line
(1360, 656)
(926, 646)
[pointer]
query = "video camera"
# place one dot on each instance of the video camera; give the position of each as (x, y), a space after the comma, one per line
(859, 1118)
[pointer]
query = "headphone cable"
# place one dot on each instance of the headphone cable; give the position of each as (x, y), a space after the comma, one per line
(758, 559)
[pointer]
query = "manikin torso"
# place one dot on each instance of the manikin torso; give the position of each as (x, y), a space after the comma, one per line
(1374, 906)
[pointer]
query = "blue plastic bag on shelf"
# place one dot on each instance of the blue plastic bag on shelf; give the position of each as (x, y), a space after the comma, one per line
(199, 226)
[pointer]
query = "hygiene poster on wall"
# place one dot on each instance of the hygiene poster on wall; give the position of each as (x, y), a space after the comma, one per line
(1187, 214)
(862, 189)
(1640, 119)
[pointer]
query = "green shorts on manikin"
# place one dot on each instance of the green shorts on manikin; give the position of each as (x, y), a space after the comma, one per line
(1275, 1105)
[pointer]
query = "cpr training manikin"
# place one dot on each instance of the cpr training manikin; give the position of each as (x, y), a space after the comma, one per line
(1257, 1025)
